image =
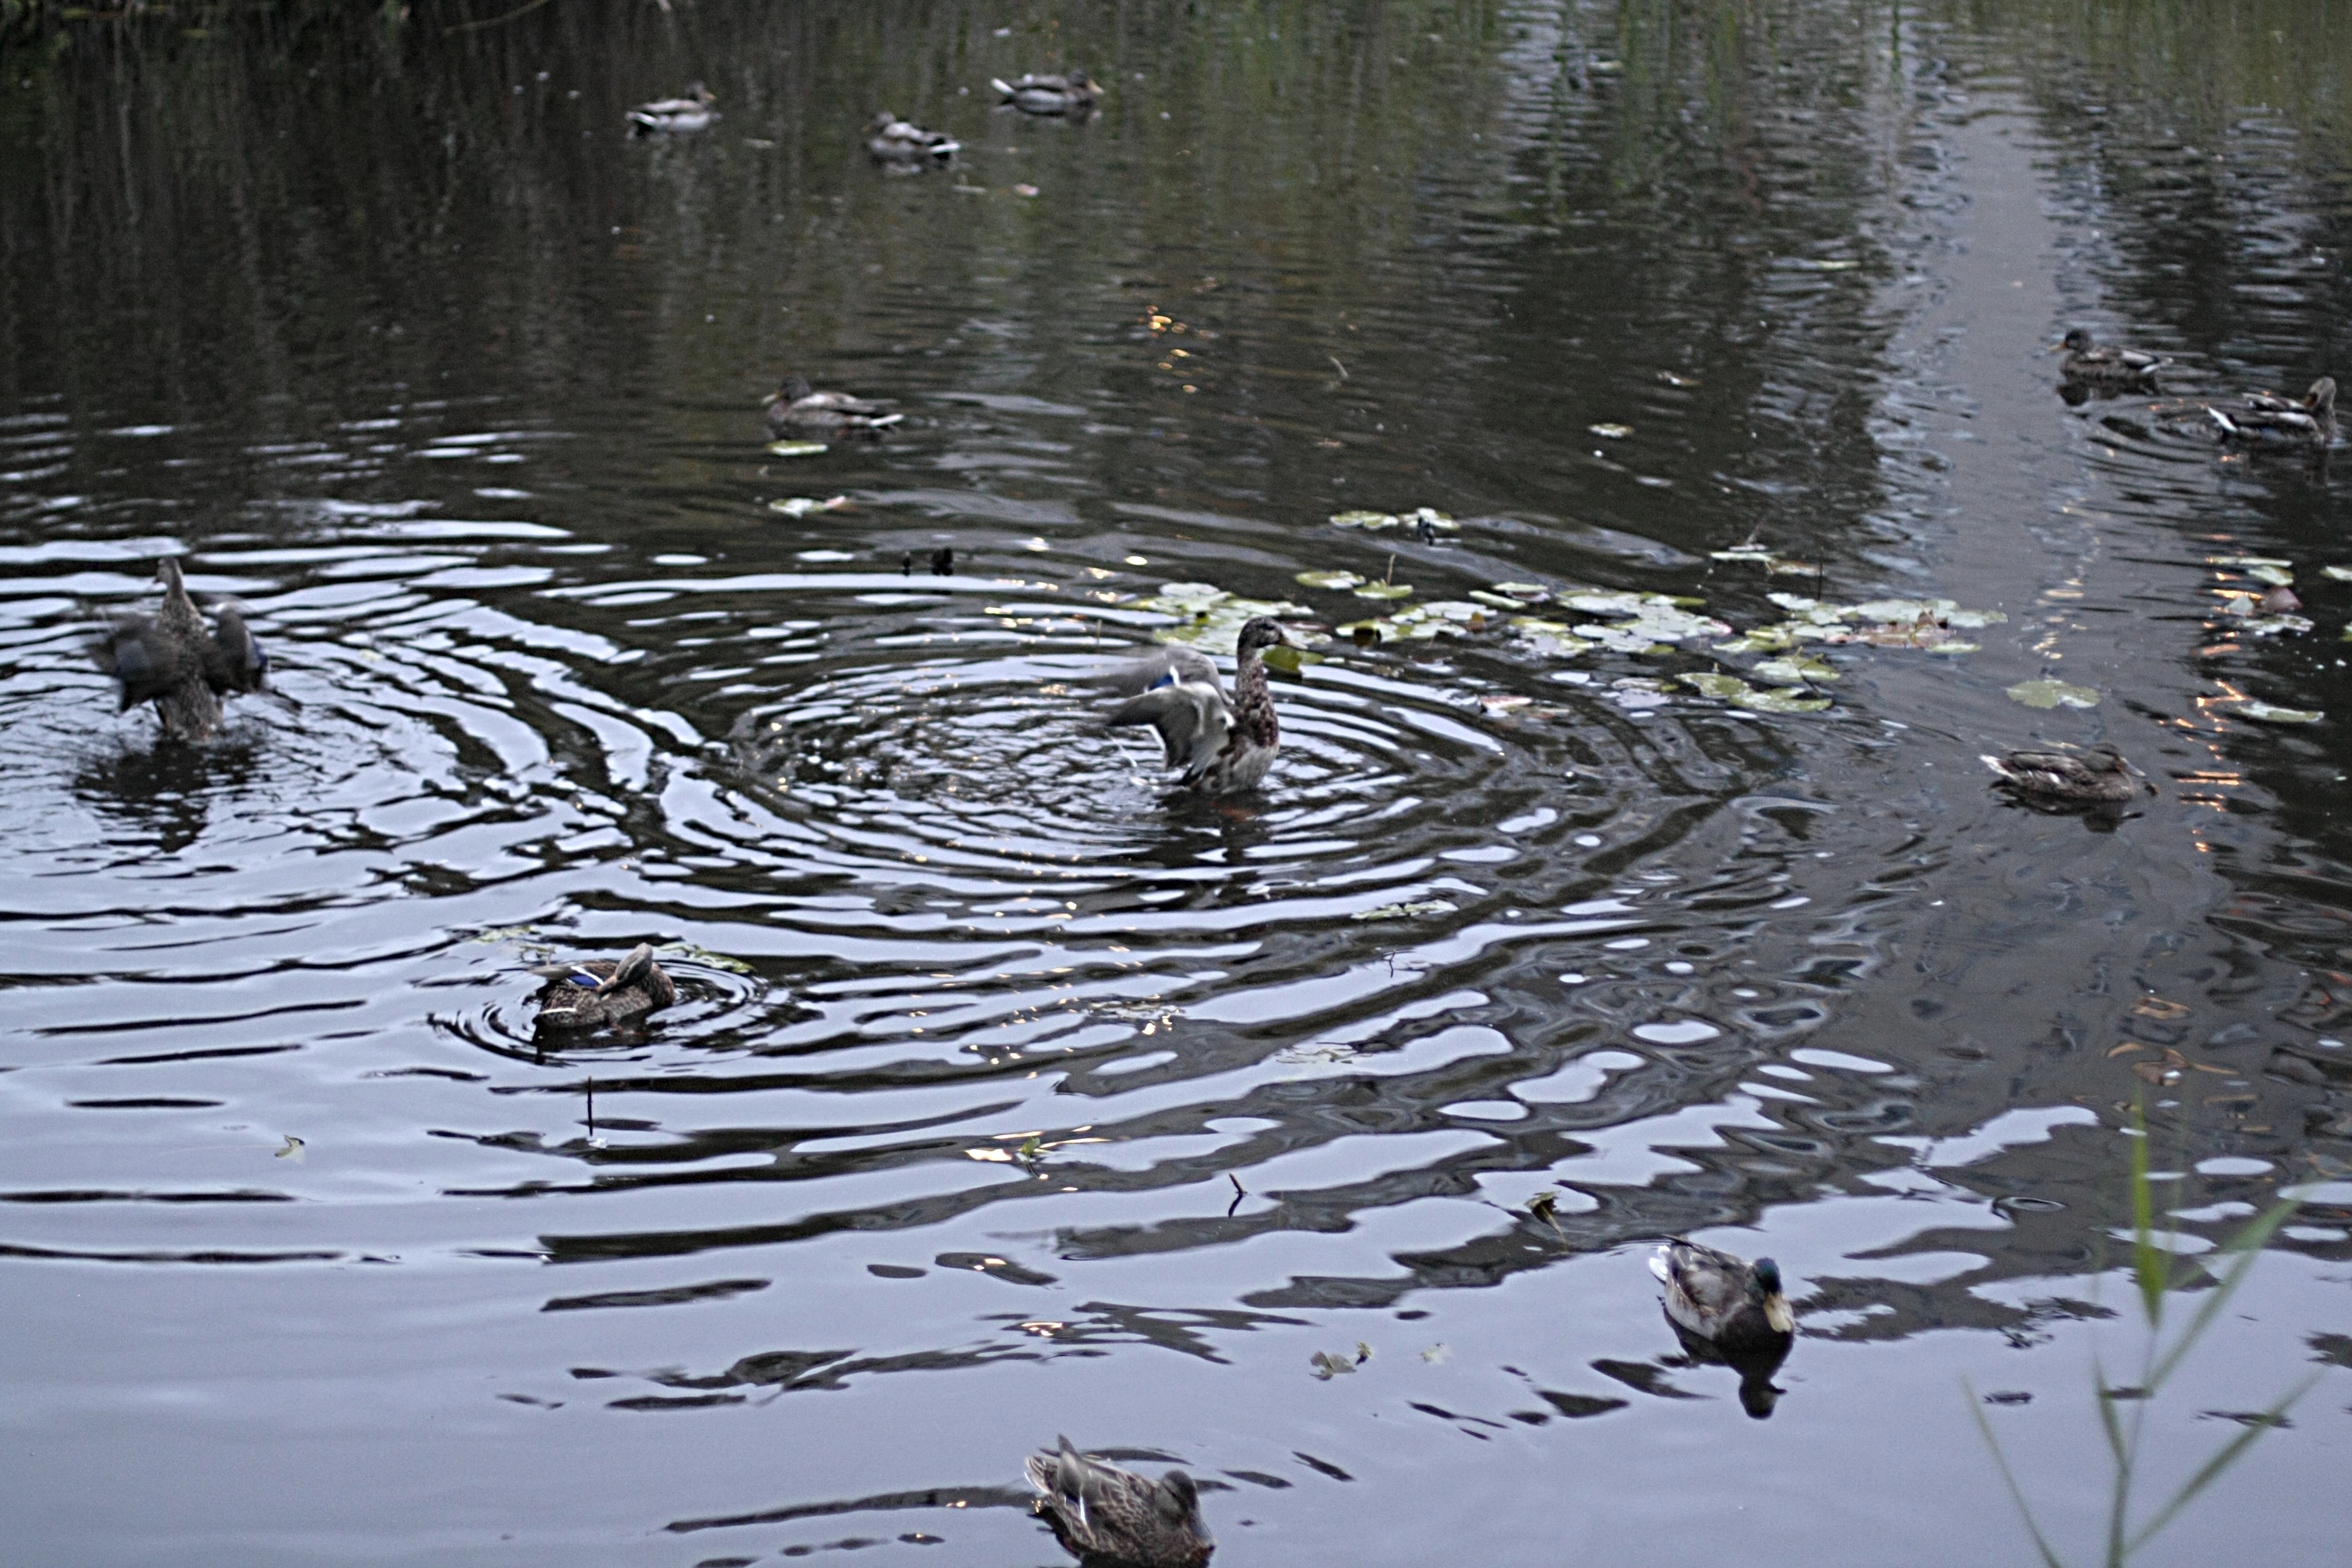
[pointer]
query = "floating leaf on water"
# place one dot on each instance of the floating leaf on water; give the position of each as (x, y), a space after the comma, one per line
(1436, 1353)
(290, 1149)
(1503, 702)
(2269, 713)
(704, 957)
(1193, 593)
(1459, 613)
(2050, 693)
(1405, 912)
(1328, 1366)
(1763, 639)
(1366, 632)
(2276, 626)
(1714, 683)
(1814, 264)
(1525, 593)
(1291, 660)
(2264, 568)
(1754, 552)
(1374, 521)
(1330, 578)
(806, 506)
(1800, 672)
(1385, 591)
(1785, 700)
(1956, 647)
(797, 448)
(1610, 431)
(2341, 574)
(1498, 601)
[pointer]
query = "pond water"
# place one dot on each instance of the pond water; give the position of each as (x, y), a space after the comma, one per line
(1010, 1095)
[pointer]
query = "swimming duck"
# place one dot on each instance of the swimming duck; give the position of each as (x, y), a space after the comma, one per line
(1735, 1308)
(2096, 774)
(1222, 746)
(1112, 1517)
(690, 113)
(602, 991)
(894, 140)
(170, 660)
(792, 407)
(2089, 361)
(2269, 420)
(1074, 93)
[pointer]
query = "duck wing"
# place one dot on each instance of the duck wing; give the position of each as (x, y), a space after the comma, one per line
(145, 658)
(1190, 716)
(235, 661)
(1704, 1286)
(1156, 667)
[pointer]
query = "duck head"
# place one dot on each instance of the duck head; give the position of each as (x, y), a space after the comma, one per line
(1764, 1288)
(2321, 399)
(790, 390)
(2076, 341)
(1258, 634)
(1177, 1498)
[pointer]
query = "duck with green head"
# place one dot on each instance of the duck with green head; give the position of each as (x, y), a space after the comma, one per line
(170, 659)
(1108, 1517)
(1736, 1307)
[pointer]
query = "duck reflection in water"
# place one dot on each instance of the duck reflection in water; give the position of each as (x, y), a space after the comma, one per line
(1108, 1517)
(1730, 1313)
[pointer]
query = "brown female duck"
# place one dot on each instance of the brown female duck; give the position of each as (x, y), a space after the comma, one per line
(1224, 745)
(1112, 1517)
(2111, 364)
(169, 659)
(602, 991)
(2096, 775)
(2269, 420)
(1072, 93)
(793, 406)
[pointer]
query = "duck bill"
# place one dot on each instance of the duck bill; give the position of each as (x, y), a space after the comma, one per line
(1777, 1313)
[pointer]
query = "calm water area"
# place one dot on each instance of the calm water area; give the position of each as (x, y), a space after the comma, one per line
(1009, 1094)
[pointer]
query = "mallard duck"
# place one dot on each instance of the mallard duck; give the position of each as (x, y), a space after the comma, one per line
(1074, 93)
(692, 112)
(792, 407)
(2269, 420)
(894, 140)
(1734, 1306)
(602, 991)
(2096, 774)
(2097, 361)
(1222, 746)
(171, 660)
(1112, 1517)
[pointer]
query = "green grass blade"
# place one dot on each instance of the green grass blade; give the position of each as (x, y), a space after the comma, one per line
(2248, 1245)
(2151, 1265)
(2016, 1494)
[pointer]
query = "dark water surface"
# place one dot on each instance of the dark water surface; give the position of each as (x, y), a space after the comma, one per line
(389, 331)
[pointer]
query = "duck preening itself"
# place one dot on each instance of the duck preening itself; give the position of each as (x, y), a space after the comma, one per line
(691, 111)
(602, 991)
(1222, 746)
(2096, 775)
(169, 659)
(2267, 419)
(2108, 362)
(1072, 93)
(1112, 1517)
(894, 140)
(793, 406)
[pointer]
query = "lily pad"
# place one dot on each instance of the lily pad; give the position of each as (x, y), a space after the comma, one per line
(2341, 574)
(1525, 593)
(806, 506)
(1330, 578)
(2262, 568)
(2269, 713)
(1374, 521)
(1610, 431)
(1405, 912)
(1714, 683)
(1384, 591)
(1291, 658)
(797, 448)
(1799, 671)
(1781, 701)
(2050, 693)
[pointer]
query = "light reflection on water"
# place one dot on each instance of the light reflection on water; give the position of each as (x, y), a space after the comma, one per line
(1104, 1111)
